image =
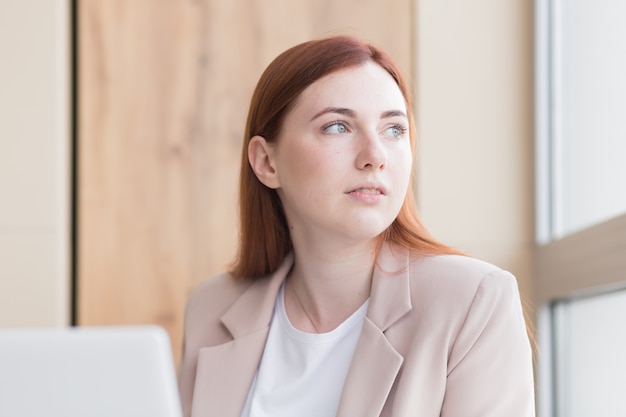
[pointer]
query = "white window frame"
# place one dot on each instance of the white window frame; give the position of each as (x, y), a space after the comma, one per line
(590, 261)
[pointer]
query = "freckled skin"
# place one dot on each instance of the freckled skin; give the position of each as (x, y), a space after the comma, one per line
(347, 131)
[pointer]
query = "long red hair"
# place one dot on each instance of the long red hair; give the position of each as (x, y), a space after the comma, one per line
(264, 234)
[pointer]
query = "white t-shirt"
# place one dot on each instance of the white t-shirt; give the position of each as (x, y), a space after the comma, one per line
(302, 374)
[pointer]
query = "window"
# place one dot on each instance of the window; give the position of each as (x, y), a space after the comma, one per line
(590, 346)
(581, 204)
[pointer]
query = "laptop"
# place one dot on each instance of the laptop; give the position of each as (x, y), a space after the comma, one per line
(125, 371)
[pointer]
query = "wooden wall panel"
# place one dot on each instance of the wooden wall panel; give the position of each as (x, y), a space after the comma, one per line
(163, 93)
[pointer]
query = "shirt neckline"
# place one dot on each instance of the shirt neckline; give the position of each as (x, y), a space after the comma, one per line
(327, 337)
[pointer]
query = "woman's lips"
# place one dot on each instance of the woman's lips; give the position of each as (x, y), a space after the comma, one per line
(368, 194)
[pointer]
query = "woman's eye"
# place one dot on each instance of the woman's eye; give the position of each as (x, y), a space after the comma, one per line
(335, 128)
(395, 131)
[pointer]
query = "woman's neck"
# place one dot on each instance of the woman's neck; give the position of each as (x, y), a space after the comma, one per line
(327, 286)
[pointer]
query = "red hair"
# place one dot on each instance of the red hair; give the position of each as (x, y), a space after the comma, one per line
(264, 234)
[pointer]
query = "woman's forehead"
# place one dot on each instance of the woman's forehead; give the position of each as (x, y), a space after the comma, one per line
(363, 86)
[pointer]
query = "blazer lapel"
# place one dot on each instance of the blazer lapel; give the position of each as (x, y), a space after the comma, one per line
(227, 370)
(376, 363)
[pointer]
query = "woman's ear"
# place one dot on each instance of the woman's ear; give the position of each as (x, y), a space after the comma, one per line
(261, 158)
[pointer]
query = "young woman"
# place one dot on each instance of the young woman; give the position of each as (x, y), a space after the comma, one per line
(340, 303)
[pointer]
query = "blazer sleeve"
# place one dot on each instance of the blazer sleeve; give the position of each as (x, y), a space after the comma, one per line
(490, 365)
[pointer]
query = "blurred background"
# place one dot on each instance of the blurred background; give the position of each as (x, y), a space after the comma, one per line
(121, 124)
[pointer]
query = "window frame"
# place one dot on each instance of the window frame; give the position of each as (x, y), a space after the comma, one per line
(590, 261)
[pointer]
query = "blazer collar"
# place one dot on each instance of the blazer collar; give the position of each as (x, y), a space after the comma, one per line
(229, 369)
(376, 363)
(254, 308)
(389, 299)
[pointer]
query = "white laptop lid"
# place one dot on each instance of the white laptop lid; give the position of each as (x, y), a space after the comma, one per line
(88, 371)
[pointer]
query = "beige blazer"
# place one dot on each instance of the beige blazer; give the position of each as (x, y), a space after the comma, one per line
(443, 336)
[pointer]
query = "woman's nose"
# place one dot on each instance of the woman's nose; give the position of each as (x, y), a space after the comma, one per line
(372, 154)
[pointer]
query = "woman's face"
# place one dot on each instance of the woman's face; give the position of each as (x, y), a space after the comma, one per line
(343, 159)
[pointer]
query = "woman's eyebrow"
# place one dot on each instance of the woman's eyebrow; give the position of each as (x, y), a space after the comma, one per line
(393, 113)
(339, 110)
(352, 113)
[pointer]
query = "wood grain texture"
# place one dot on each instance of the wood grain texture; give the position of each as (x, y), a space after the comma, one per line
(164, 88)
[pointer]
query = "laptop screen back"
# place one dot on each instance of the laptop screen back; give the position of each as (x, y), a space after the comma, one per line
(94, 371)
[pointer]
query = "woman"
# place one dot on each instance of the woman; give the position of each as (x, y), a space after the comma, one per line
(339, 302)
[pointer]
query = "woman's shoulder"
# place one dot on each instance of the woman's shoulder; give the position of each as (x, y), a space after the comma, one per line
(459, 278)
(460, 269)
(453, 262)
(212, 297)
(218, 287)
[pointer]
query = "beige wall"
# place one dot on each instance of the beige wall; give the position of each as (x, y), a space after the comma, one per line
(474, 110)
(34, 163)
